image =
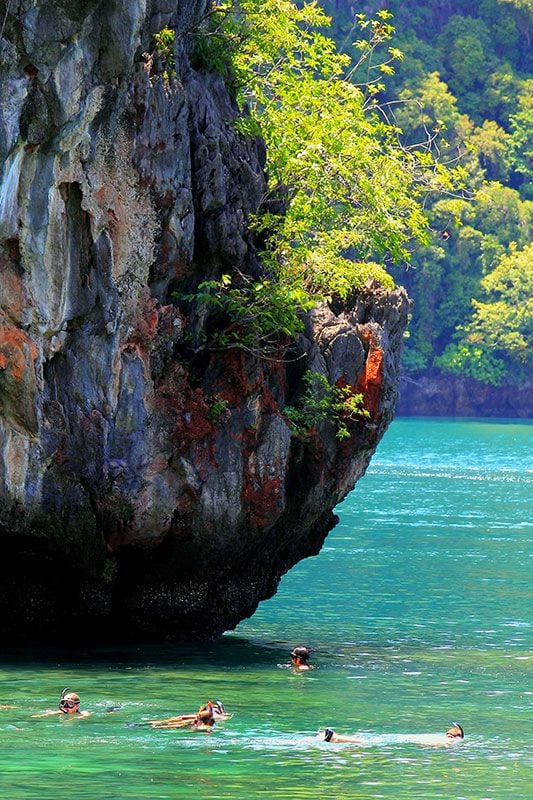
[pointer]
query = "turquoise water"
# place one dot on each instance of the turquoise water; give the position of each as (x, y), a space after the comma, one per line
(418, 611)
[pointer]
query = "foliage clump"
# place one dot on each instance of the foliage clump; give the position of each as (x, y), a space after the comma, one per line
(494, 343)
(351, 194)
(249, 314)
(322, 402)
(164, 51)
(219, 410)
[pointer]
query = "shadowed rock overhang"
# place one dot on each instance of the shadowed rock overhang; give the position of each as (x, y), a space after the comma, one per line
(127, 507)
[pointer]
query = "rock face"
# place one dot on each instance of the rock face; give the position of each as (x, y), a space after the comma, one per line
(143, 493)
(439, 394)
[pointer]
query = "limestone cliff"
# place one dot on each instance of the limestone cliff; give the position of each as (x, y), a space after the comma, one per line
(126, 504)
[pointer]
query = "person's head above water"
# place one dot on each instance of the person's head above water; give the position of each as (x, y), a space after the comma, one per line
(69, 702)
(455, 732)
(204, 716)
(301, 654)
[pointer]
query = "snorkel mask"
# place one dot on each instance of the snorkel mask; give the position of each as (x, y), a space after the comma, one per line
(67, 702)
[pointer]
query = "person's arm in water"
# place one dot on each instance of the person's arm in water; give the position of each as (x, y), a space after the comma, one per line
(61, 713)
(182, 721)
(174, 721)
(331, 736)
(47, 714)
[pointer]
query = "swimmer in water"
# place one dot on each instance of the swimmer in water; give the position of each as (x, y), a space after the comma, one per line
(204, 719)
(300, 659)
(452, 736)
(69, 703)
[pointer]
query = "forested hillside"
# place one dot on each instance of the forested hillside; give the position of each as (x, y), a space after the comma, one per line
(464, 90)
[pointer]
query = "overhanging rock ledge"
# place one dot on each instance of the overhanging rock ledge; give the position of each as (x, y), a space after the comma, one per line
(127, 506)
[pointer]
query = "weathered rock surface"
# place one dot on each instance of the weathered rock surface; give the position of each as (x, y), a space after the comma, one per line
(127, 505)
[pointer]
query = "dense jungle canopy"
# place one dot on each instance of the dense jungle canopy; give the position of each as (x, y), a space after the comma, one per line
(464, 84)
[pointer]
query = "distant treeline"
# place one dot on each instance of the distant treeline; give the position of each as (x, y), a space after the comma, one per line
(464, 88)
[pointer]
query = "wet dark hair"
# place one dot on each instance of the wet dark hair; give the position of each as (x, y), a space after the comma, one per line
(301, 652)
(205, 716)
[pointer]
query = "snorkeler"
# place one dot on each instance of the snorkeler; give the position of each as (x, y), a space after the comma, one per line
(300, 658)
(453, 735)
(204, 719)
(69, 703)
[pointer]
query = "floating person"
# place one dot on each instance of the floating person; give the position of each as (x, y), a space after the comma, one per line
(204, 719)
(69, 703)
(452, 736)
(300, 658)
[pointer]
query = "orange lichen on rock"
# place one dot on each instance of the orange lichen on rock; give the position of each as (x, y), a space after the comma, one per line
(17, 367)
(371, 380)
(17, 352)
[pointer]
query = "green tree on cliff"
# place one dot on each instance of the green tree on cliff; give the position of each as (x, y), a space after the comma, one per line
(351, 194)
(347, 183)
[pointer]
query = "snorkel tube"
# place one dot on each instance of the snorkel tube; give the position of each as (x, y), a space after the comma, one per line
(62, 705)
